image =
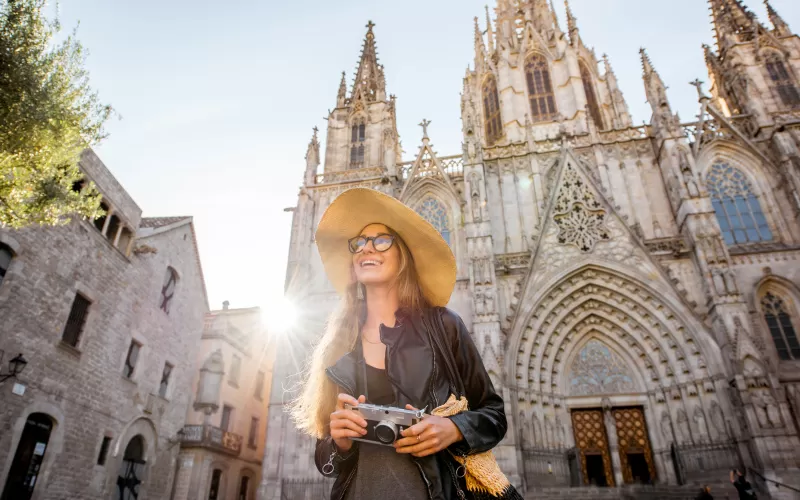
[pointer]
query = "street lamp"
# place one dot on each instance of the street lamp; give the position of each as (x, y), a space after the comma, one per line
(15, 366)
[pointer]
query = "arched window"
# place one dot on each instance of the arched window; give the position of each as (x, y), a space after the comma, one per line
(168, 289)
(782, 81)
(357, 139)
(781, 328)
(433, 211)
(591, 97)
(5, 261)
(491, 111)
(540, 89)
(736, 205)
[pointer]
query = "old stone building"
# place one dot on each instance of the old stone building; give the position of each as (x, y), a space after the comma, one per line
(108, 314)
(634, 290)
(222, 444)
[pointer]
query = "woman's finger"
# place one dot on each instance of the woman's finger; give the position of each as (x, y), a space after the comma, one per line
(345, 433)
(345, 398)
(346, 418)
(347, 423)
(430, 446)
(416, 429)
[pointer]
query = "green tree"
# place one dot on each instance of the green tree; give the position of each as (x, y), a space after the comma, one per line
(48, 116)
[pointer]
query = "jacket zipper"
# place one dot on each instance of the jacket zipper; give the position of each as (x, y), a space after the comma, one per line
(424, 478)
(347, 482)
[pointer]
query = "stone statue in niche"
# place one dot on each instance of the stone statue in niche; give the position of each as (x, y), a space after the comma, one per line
(684, 433)
(719, 281)
(700, 423)
(718, 420)
(488, 299)
(688, 176)
(760, 408)
(480, 308)
(666, 430)
(773, 412)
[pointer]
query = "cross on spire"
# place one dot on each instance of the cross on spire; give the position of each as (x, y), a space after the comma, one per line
(424, 124)
(698, 84)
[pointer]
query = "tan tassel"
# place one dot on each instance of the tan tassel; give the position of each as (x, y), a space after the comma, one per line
(482, 472)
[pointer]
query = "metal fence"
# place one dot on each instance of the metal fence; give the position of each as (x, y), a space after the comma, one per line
(700, 462)
(545, 467)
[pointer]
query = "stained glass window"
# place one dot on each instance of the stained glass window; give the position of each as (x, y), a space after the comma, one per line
(540, 89)
(491, 111)
(591, 97)
(783, 81)
(780, 326)
(736, 205)
(598, 370)
(433, 211)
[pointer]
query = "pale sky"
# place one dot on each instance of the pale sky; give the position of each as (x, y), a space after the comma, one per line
(218, 99)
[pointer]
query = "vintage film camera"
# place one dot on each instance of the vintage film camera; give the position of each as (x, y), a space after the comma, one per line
(384, 423)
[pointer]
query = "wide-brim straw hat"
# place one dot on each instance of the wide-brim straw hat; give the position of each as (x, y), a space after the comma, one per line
(356, 209)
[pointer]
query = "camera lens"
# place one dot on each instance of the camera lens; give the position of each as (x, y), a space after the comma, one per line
(386, 431)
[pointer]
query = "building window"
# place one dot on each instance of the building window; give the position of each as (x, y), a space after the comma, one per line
(259, 389)
(164, 385)
(76, 321)
(358, 137)
(213, 490)
(591, 97)
(780, 326)
(736, 205)
(493, 123)
(540, 89)
(782, 81)
(225, 421)
(5, 261)
(100, 222)
(251, 438)
(244, 486)
(131, 358)
(168, 290)
(101, 457)
(236, 368)
(434, 212)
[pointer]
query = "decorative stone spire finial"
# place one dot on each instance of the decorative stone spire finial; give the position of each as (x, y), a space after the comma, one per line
(777, 21)
(342, 95)
(369, 83)
(572, 24)
(698, 84)
(489, 30)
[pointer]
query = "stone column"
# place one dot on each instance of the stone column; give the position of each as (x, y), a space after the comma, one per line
(613, 445)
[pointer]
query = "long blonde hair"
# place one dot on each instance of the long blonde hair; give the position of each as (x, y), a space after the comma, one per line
(317, 400)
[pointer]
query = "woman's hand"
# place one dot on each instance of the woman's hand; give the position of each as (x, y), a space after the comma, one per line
(346, 424)
(431, 435)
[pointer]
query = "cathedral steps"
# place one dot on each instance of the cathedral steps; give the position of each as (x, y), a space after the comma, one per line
(631, 492)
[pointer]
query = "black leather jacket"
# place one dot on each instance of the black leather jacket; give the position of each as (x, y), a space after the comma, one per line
(418, 378)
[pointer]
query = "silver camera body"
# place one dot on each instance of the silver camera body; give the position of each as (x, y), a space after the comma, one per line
(385, 423)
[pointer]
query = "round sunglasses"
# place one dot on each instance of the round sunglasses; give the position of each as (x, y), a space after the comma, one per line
(380, 242)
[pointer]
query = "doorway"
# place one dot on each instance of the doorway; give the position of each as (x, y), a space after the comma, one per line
(27, 464)
(131, 470)
(592, 443)
(635, 455)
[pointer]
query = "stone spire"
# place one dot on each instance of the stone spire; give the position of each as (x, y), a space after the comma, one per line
(572, 25)
(489, 31)
(555, 16)
(341, 97)
(777, 21)
(480, 48)
(622, 116)
(731, 18)
(653, 84)
(312, 158)
(370, 83)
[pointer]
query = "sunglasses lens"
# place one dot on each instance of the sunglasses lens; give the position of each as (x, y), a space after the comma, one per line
(357, 244)
(383, 242)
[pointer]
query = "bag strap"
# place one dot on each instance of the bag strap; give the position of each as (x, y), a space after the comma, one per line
(432, 321)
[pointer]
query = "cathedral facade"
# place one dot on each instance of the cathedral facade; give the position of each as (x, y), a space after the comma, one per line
(634, 290)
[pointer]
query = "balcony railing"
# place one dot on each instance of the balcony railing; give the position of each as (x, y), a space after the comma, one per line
(207, 436)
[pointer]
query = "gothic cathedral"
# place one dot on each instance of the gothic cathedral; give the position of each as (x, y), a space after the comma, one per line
(634, 290)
